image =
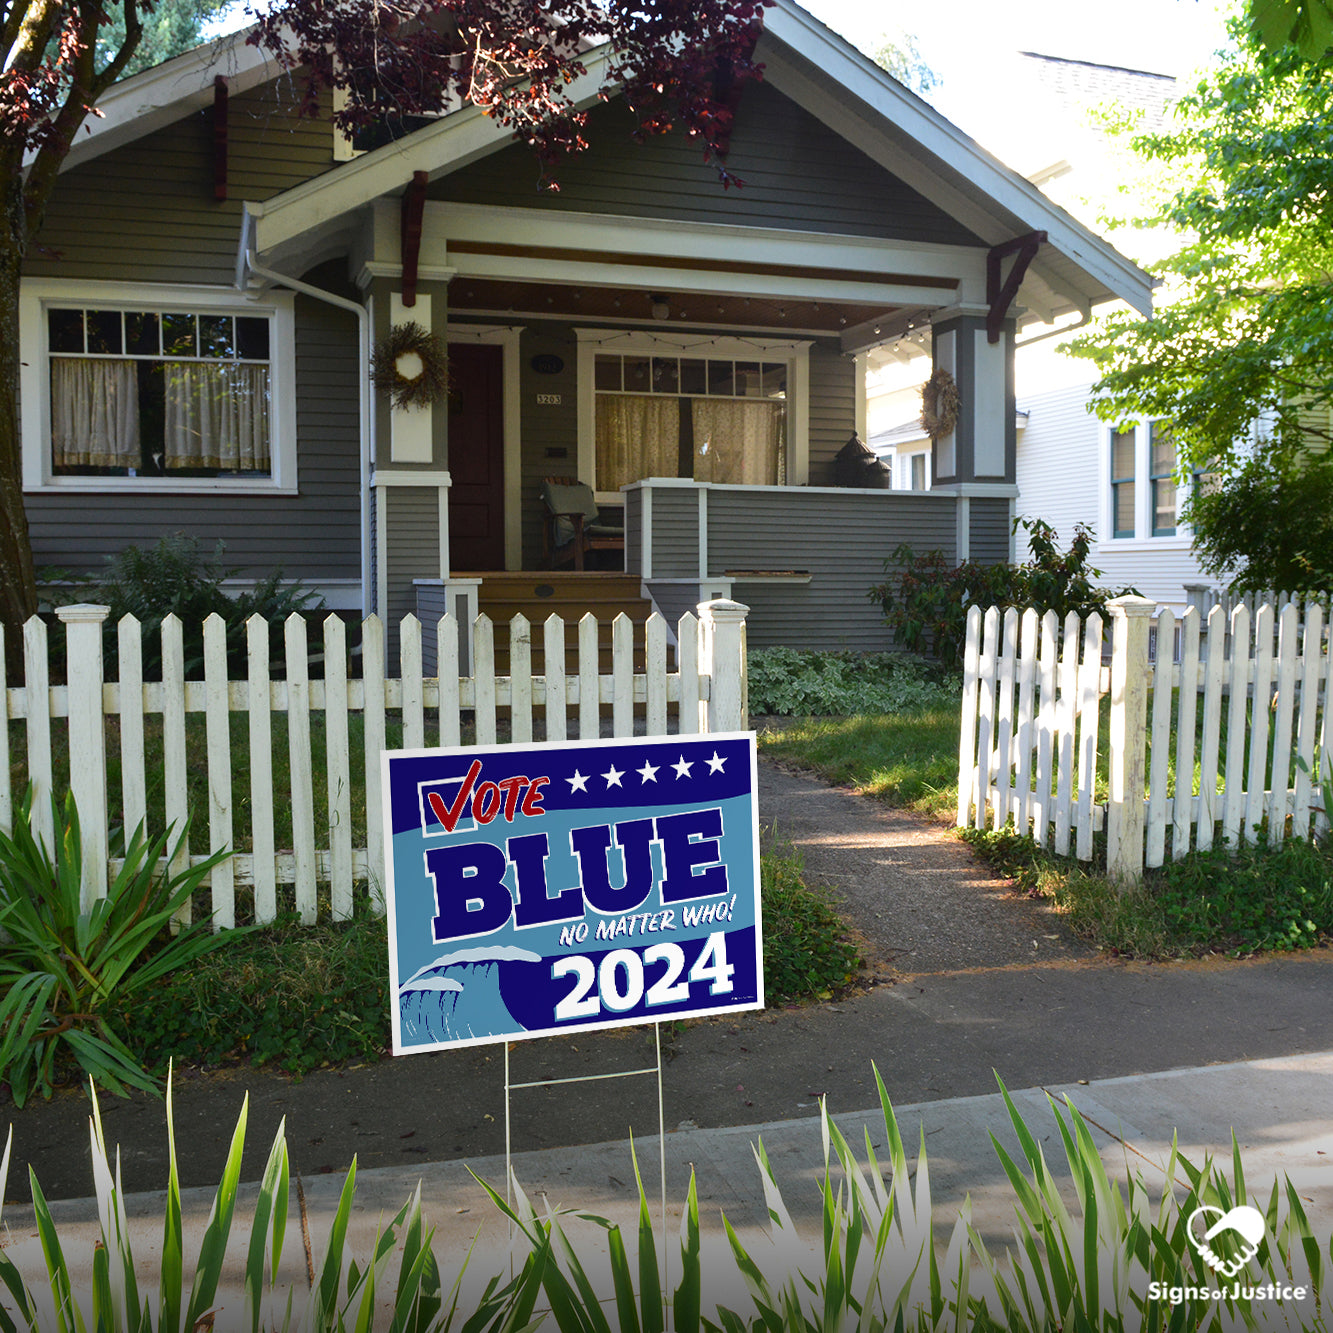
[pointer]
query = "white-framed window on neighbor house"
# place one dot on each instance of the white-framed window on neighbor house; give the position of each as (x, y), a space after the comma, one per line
(154, 388)
(1123, 507)
(1162, 477)
(1143, 495)
(719, 410)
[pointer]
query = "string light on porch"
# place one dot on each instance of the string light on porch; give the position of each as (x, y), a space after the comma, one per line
(708, 341)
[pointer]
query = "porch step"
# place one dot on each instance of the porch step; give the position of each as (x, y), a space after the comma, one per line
(568, 594)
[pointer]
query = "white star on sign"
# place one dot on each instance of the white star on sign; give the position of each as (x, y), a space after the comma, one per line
(577, 783)
(682, 768)
(715, 764)
(614, 776)
(648, 773)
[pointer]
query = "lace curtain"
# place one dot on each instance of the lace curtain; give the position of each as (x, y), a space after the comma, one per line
(94, 413)
(217, 416)
(638, 436)
(738, 440)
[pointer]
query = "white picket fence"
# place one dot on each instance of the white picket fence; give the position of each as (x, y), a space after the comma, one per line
(1244, 718)
(703, 690)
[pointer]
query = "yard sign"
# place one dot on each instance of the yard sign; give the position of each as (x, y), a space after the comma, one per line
(537, 889)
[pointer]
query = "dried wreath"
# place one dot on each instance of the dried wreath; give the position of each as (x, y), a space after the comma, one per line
(411, 365)
(939, 403)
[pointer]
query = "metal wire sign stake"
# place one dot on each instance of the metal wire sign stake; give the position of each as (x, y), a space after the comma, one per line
(539, 890)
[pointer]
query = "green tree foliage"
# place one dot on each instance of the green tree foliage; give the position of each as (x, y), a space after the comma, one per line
(171, 29)
(1306, 24)
(899, 54)
(1239, 353)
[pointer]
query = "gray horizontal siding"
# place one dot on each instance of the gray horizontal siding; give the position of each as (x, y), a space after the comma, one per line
(633, 532)
(988, 531)
(842, 540)
(152, 200)
(675, 532)
(550, 431)
(412, 517)
(832, 409)
(797, 173)
(312, 535)
(412, 514)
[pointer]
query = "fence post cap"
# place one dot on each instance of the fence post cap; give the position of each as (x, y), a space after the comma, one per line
(1132, 605)
(723, 608)
(83, 611)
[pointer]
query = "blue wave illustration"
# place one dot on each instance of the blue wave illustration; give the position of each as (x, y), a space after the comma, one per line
(457, 997)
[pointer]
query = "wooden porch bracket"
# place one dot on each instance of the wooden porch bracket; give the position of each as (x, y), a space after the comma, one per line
(413, 210)
(1000, 295)
(220, 137)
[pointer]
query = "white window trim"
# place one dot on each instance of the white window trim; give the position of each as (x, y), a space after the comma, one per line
(1143, 539)
(794, 353)
(37, 295)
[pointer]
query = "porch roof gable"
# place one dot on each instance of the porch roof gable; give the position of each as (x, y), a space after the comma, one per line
(803, 59)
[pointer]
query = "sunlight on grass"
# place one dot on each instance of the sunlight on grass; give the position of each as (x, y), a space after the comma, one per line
(910, 759)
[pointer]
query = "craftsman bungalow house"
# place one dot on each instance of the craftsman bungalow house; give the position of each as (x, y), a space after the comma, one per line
(205, 234)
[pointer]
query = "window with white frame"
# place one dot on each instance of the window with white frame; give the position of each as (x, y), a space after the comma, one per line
(1162, 476)
(1123, 465)
(690, 416)
(1143, 490)
(167, 389)
(707, 408)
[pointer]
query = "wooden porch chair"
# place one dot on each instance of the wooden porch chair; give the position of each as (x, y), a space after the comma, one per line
(574, 525)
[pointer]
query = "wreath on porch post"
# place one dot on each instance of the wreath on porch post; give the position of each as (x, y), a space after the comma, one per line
(939, 403)
(411, 365)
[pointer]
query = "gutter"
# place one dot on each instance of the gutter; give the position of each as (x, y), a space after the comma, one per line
(251, 264)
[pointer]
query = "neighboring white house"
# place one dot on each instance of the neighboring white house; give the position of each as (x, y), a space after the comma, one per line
(1071, 467)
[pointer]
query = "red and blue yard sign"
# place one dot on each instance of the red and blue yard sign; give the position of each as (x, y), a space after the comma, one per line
(537, 889)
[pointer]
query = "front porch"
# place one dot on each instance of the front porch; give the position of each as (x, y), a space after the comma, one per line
(536, 594)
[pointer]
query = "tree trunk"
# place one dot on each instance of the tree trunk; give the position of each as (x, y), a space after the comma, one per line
(18, 585)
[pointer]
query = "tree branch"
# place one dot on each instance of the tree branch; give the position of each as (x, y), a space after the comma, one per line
(28, 31)
(87, 84)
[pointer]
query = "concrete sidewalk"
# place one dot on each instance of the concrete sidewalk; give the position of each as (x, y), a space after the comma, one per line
(1280, 1111)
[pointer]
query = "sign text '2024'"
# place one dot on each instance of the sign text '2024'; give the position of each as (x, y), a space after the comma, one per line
(619, 982)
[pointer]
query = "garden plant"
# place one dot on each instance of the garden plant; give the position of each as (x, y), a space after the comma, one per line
(926, 599)
(1089, 1252)
(67, 970)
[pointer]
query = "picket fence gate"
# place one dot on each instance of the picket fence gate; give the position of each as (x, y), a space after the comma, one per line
(705, 690)
(1245, 720)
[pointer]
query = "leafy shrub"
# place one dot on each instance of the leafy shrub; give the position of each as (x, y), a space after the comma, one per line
(1252, 897)
(795, 681)
(292, 995)
(1243, 899)
(926, 600)
(64, 971)
(175, 577)
(806, 952)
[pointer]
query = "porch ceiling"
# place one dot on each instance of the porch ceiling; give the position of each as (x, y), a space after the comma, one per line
(622, 304)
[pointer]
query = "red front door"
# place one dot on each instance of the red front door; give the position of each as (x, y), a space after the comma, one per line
(476, 457)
